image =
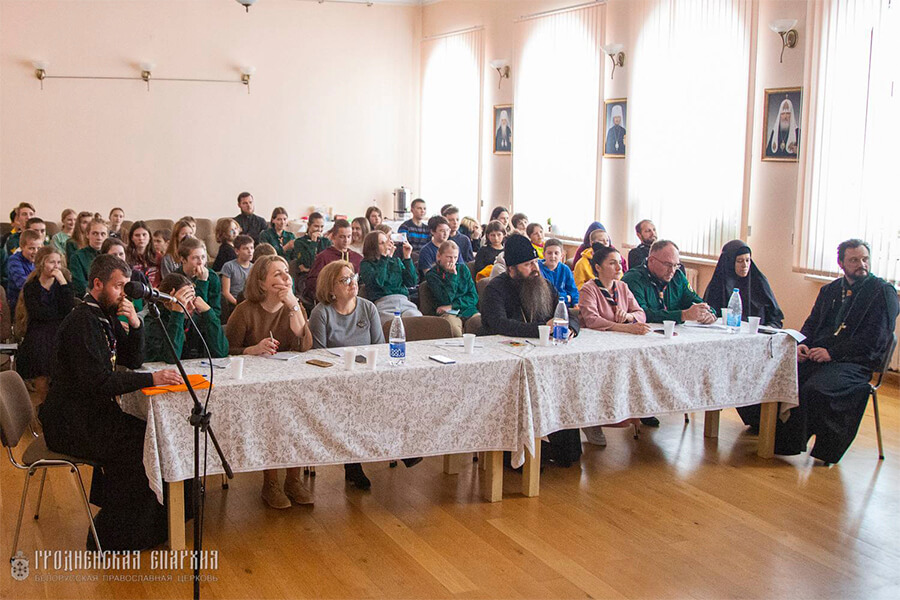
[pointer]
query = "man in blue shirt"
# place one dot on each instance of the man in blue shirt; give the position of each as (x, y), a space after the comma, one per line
(416, 229)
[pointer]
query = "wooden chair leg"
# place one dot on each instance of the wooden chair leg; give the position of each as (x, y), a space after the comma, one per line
(877, 424)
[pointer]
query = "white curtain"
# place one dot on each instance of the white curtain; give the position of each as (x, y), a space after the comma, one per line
(687, 123)
(851, 179)
(451, 113)
(557, 71)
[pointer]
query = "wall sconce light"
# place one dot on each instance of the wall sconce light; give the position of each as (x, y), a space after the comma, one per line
(40, 70)
(246, 72)
(246, 4)
(501, 65)
(616, 56)
(146, 71)
(785, 28)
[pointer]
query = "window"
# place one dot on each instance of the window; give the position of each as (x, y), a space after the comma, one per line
(557, 103)
(451, 113)
(687, 133)
(850, 179)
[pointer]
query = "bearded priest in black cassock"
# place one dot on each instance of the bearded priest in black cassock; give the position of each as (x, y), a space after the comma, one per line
(847, 335)
(81, 416)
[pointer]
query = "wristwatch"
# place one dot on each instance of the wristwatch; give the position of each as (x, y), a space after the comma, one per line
(295, 308)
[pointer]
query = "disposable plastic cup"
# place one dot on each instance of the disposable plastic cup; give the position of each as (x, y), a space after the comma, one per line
(754, 324)
(349, 358)
(238, 363)
(469, 343)
(669, 328)
(371, 358)
(544, 334)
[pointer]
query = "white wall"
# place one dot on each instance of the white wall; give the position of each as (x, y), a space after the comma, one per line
(331, 119)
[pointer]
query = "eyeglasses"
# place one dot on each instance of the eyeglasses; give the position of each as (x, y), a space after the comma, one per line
(349, 280)
(668, 265)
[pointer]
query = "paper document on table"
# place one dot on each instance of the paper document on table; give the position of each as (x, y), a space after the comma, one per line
(716, 326)
(218, 363)
(282, 356)
(9, 346)
(799, 337)
(455, 343)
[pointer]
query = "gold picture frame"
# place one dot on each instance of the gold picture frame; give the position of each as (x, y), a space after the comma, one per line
(503, 142)
(614, 144)
(786, 147)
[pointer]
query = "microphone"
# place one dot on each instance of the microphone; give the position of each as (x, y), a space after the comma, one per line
(140, 291)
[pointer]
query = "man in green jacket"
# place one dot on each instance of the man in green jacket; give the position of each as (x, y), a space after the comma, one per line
(664, 293)
(80, 265)
(662, 289)
(185, 337)
(452, 286)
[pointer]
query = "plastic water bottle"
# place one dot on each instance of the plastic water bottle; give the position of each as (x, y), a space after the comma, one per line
(397, 341)
(560, 333)
(735, 310)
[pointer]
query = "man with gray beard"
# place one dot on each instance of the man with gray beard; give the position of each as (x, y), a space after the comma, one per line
(515, 303)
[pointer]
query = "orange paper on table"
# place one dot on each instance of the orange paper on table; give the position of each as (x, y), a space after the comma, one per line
(198, 382)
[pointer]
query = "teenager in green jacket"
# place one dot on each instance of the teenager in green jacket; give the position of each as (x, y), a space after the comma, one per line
(388, 278)
(184, 335)
(80, 264)
(207, 285)
(452, 286)
(278, 236)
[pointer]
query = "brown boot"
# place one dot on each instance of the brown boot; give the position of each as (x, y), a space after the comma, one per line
(296, 491)
(273, 496)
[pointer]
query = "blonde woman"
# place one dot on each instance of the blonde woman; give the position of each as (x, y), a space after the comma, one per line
(45, 300)
(269, 320)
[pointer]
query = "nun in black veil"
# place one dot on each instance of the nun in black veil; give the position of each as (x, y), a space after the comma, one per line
(736, 269)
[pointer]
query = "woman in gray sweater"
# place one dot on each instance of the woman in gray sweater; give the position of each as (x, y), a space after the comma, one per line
(340, 319)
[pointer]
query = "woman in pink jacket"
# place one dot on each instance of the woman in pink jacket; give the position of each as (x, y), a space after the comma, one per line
(606, 303)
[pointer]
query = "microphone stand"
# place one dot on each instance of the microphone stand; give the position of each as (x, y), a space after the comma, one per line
(200, 422)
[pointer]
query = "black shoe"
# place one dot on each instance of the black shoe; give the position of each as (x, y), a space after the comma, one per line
(353, 473)
(650, 421)
(411, 462)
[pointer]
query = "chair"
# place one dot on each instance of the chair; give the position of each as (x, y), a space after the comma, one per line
(206, 231)
(471, 265)
(427, 303)
(16, 413)
(421, 328)
(52, 228)
(473, 324)
(873, 391)
(480, 286)
(157, 224)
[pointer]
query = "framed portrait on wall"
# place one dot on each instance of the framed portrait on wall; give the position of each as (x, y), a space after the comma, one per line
(614, 127)
(781, 136)
(503, 128)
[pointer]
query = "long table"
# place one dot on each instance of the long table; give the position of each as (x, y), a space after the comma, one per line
(504, 397)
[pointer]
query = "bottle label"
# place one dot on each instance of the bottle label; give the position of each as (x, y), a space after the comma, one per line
(398, 349)
(561, 331)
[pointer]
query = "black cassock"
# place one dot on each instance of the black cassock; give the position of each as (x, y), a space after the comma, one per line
(855, 324)
(81, 417)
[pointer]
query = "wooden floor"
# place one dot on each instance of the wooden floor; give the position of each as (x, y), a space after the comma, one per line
(672, 515)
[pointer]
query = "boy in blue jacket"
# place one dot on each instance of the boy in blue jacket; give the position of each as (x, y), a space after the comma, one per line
(558, 273)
